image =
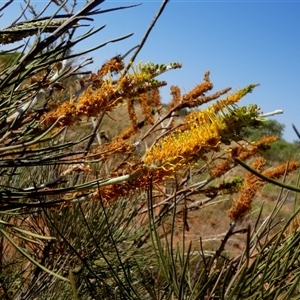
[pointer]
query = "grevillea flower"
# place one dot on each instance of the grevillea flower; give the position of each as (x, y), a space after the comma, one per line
(204, 131)
(104, 94)
(178, 148)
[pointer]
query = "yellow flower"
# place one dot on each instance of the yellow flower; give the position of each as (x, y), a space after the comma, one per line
(179, 148)
(204, 131)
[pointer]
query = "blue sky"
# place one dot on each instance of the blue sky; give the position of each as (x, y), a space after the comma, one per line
(240, 42)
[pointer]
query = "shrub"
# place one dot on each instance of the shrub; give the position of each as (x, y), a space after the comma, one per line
(93, 219)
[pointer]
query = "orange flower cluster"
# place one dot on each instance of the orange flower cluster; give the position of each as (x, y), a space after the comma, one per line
(131, 113)
(155, 98)
(242, 152)
(277, 172)
(199, 90)
(195, 97)
(117, 146)
(245, 152)
(113, 66)
(141, 183)
(147, 109)
(233, 98)
(252, 184)
(105, 94)
(176, 96)
(222, 168)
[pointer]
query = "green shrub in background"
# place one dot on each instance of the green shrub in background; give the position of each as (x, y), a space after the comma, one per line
(280, 150)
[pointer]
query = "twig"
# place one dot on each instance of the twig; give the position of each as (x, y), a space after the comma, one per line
(165, 2)
(268, 179)
(6, 4)
(272, 113)
(296, 130)
(229, 233)
(21, 14)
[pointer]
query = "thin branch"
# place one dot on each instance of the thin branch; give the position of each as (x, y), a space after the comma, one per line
(43, 10)
(165, 2)
(296, 130)
(69, 15)
(6, 4)
(21, 14)
(268, 179)
(129, 51)
(272, 113)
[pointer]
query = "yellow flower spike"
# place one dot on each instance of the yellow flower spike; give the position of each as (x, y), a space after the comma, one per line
(232, 98)
(204, 131)
(178, 149)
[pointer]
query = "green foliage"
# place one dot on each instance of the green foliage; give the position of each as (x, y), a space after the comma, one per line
(8, 59)
(279, 151)
(269, 127)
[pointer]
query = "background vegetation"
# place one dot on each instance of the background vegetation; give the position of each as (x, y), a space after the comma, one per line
(107, 193)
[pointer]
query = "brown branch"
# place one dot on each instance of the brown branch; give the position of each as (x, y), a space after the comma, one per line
(165, 2)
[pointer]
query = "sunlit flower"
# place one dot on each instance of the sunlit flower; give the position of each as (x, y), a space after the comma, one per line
(204, 131)
(252, 184)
